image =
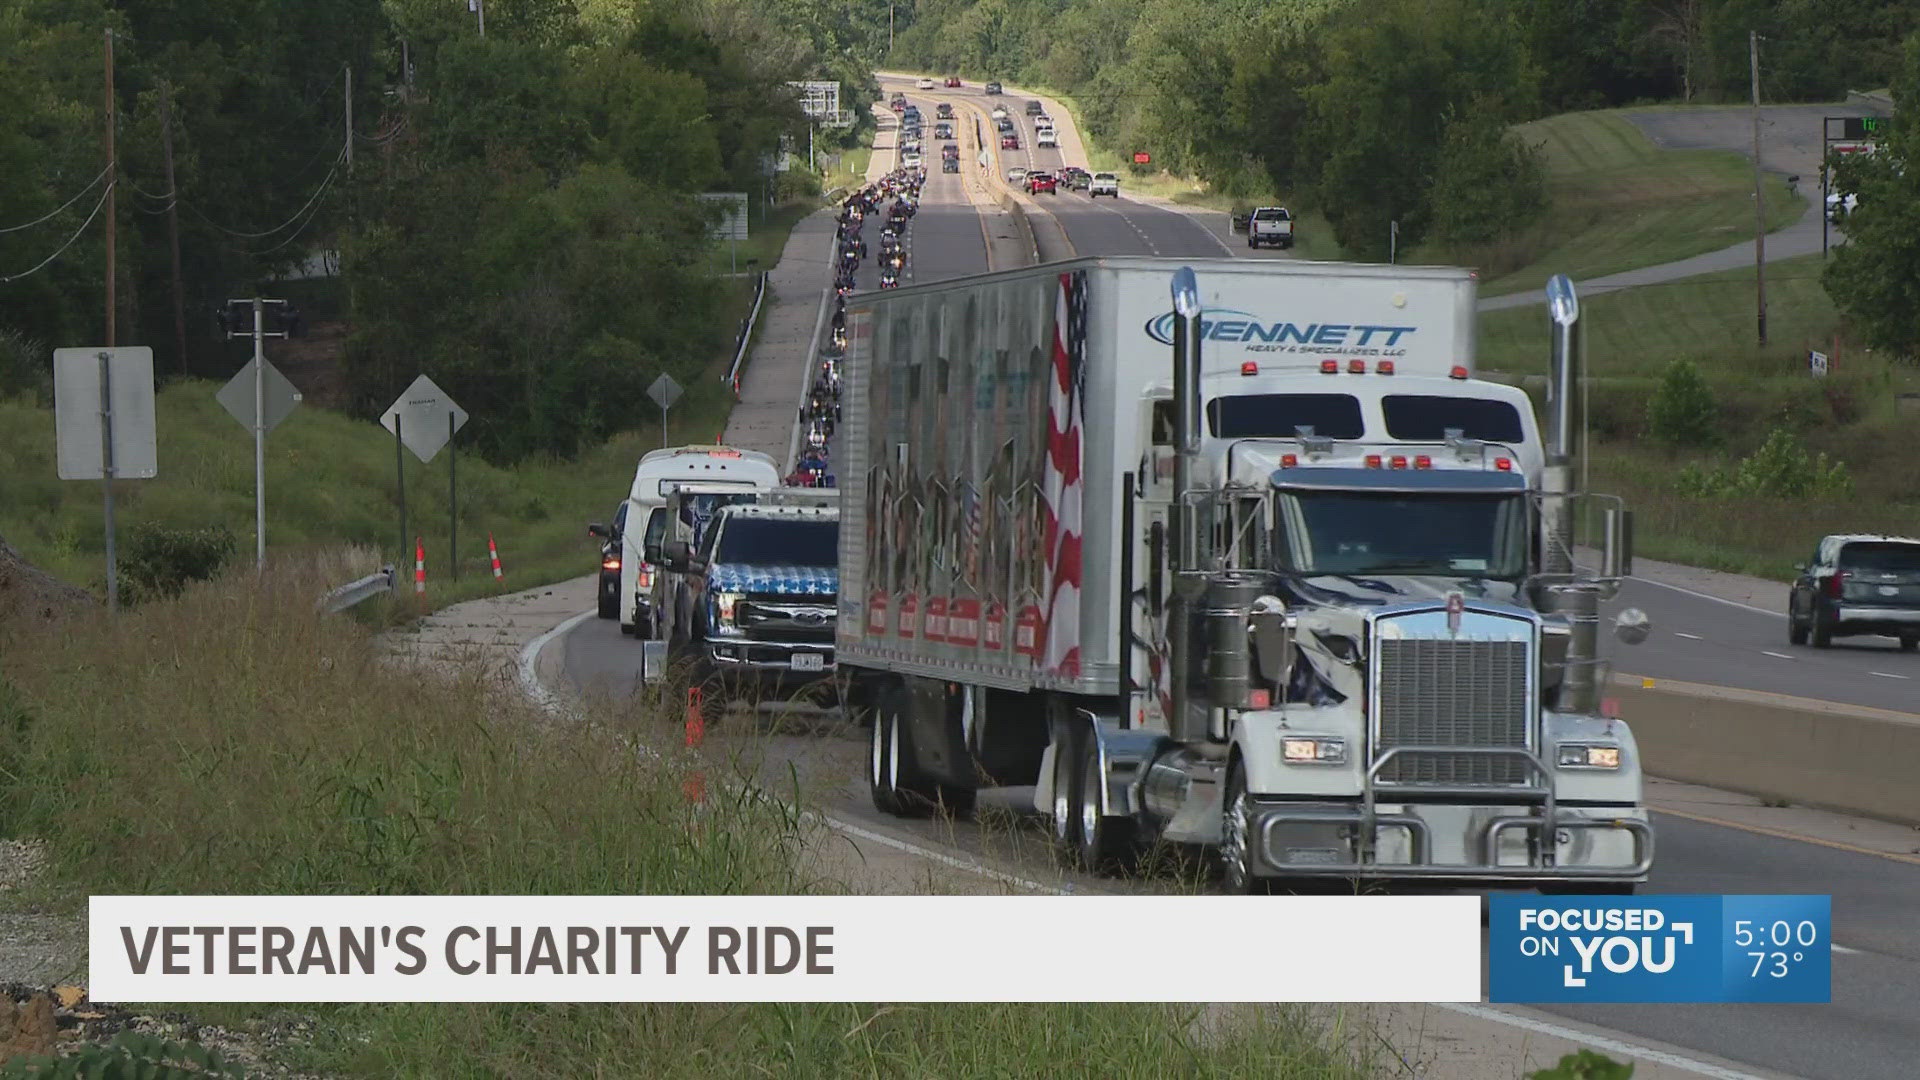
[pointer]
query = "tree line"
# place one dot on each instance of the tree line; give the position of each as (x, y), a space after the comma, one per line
(1394, 110)
(518, 218)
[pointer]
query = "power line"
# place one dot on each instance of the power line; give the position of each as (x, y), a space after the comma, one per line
(51, 213)
(70, 239)
(283, 225)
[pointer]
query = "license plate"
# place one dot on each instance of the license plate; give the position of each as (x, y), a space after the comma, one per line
(808, 662)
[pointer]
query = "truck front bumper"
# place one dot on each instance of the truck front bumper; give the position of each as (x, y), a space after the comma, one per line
(1448, 841)
(770, 663)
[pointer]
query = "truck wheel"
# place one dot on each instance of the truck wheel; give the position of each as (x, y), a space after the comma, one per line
(894, 778)
(1066, 798)
(1252, 243)
(1822, 631)
(1909, 642)
(1236, 853)
(1796, 631)
(883, 753)
(1106, 843)
(610, 608)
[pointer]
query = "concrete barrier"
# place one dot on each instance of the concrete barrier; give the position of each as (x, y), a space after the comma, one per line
(1821, 754)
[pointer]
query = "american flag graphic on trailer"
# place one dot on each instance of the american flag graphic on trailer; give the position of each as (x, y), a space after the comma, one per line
(1064, 480)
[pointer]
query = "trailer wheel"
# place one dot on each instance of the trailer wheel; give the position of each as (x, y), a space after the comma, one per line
(1236, 853)
(897, 785)
(1106, 843)
(1066, 779)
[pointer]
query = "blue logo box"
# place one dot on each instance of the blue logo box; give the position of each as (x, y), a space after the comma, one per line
(1640, 949)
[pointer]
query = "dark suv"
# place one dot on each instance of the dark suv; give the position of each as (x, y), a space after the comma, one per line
(1857, 585)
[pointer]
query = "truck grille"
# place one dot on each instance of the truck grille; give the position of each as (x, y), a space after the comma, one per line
(1453, 692)
(798, 618)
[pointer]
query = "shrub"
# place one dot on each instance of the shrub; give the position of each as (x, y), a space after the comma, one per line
(130, 1055)
(1683, 411)
(160, 562)
(1781, 468)
(26, 367)
(1585, 1065)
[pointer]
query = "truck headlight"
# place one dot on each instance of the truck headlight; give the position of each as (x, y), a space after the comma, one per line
(1314, 750)
(1589, 756)
(723, 605)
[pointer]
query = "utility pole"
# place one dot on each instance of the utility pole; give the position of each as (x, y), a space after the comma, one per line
(113, 175)
(1759, 195)
(173, 228)
(349, 117)
(890, 8)
(259, 434)
(480, 8)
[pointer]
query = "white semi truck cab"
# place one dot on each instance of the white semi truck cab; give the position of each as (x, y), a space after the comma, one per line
(1270, 573)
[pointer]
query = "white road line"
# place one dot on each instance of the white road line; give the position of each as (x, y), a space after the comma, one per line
(1844, 951)
(940, 857)
(1775, 655)
(1888, 675)
(1689, 637)
(1709, 596)
(1597, 1042)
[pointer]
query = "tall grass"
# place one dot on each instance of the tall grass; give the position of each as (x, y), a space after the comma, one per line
(233, 741)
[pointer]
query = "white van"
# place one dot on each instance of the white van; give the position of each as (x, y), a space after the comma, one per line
(659, 474)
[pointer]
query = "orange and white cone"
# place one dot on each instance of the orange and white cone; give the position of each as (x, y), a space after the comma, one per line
(419, 567)
(494, 552)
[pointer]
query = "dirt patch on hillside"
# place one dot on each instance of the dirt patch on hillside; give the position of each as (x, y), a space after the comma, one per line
(28, 593)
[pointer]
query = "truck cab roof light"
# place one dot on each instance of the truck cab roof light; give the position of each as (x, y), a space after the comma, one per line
(1422, 461)
(1384, 367)
(1459, 372)
(1288, 461)
(1329, 367)
(1356, 367)
(1398, 461)
(1249, 368)
(1503, 464)
(1373, 461)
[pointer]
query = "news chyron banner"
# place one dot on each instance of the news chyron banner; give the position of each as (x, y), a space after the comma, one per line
(1674, 949)
(269, 949)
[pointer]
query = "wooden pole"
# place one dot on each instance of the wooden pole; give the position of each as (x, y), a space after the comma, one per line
(113, 174)
(173, 229)
(1759, 195)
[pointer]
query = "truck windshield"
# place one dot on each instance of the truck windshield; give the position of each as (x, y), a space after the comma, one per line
(1452, 535)
(778, 542)
(1426, 418)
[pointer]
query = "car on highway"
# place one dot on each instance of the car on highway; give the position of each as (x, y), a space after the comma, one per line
(925, 84)
(899, 103)
(943, 130)
(910, 145)
(1045, 137)
(1104, 183)
(953, 82)
(943, 111)
(1009, 141)
(993, 88)
(1034, 108)
(1857, 584)
(1000, 113)
(910, 159)
(1074, 177)
(951, 150)
(1270, 225)
(1038, 182)
(1016, 175)
(951, 164)
(609, 535)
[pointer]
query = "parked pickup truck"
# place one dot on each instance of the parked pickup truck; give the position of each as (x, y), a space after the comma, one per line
(756, 603)
(1270, 225)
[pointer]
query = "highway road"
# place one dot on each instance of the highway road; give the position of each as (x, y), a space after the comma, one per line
(1869, 1032)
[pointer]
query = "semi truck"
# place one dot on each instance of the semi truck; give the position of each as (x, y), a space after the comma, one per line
(1236, 554)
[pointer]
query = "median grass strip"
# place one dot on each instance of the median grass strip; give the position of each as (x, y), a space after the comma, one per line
(232, 741)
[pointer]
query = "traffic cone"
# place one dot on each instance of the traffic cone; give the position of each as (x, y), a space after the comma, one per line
(419, 567)
(494, 552)
(694, 787)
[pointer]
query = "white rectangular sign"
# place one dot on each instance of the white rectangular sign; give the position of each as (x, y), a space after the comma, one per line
(262, 949)
(80, 454)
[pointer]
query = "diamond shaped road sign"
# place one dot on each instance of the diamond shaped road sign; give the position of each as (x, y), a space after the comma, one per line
(664, 391)
(237, 396)
(422, 415)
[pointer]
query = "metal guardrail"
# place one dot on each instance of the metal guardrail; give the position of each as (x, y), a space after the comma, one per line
(732, 377)
(354, 592)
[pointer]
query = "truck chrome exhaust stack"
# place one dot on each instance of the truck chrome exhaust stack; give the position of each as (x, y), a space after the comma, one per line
(1563, 421)
(1186, 725)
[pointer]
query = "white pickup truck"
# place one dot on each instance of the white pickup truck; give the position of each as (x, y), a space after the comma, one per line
(1045, 136)
(1270, 225)
(1104, 183)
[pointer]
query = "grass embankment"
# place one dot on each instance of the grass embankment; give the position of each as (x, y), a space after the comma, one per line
(231, 741)
(851, 171)
(1854, 414)
(1618, 202)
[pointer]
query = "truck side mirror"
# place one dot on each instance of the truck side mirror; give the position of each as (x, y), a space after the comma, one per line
(1617, 559)
(650, 553)
(1801, 567)
(1272, 641)
(676, 555)
(599, 530)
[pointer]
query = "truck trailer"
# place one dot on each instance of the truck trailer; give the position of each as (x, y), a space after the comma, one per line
(1238, 554)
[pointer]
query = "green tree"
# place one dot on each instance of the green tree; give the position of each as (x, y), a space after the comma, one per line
(1874, 278)
(1488, 184)
(1683, 411)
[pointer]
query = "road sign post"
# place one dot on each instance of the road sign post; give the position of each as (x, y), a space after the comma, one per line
(104, 427)
(259, 398)
(414, 419)
(664, 393)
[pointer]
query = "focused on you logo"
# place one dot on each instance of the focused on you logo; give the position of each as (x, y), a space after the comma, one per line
(1611, 949)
